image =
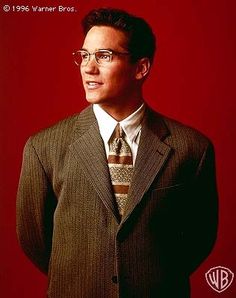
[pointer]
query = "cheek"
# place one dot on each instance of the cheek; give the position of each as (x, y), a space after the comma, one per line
(120, 78)
(81, 72)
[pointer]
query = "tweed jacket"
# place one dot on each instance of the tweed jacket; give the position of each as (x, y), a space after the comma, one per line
(69, 226)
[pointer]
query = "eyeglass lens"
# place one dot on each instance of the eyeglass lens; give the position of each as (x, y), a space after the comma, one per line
(101, 57)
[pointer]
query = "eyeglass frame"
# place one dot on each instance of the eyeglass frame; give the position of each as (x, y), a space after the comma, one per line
(110, 51)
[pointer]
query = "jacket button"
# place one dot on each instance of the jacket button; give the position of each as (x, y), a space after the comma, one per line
(114, 279)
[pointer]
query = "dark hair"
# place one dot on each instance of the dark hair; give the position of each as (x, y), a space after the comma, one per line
(141, 40)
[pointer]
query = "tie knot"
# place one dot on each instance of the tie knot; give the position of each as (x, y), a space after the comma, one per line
(119, 133)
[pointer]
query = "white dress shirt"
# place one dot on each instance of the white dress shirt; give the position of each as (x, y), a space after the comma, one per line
(131, 126)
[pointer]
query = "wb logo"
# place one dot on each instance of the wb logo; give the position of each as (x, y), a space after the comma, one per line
(219, 278)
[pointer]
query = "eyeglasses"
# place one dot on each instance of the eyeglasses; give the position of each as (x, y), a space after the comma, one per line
(102, 57)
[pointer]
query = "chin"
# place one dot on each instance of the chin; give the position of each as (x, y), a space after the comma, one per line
(94, 100)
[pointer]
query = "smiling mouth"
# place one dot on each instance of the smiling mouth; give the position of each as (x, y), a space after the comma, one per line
(91, 85)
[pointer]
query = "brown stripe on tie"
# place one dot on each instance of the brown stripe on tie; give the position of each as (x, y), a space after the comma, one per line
(120, 166)
(121, 189)
(120, 159)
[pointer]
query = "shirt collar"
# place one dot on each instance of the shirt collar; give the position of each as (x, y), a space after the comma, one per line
(131, 125)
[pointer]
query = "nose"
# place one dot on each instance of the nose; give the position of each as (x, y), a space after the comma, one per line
(91, 66)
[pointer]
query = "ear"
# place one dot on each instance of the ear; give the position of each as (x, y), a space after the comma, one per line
(143, 68)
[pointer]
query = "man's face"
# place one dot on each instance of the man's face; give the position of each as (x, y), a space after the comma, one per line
(114, 83)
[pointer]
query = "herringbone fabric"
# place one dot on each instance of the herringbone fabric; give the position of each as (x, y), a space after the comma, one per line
(120, 166)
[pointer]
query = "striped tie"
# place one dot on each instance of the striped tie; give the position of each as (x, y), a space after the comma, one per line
(120, 166)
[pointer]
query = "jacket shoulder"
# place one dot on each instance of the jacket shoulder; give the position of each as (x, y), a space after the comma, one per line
(183, 138)
(61, 129)
(50, 145)
(61, 132)
(178, 129)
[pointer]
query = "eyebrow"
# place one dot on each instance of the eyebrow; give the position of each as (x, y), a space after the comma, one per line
(82, 49)
(103, 49)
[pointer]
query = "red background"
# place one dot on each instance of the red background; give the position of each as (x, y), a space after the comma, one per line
(193, 80)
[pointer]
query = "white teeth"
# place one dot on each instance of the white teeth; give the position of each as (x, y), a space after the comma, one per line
(92, 83)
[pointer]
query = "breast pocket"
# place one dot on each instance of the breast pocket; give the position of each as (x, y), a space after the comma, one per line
(173, 192)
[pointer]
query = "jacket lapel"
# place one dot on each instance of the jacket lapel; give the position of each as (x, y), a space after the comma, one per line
(151, 157)
(89, 150)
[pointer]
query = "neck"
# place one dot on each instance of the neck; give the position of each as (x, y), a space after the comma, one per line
(123, 109)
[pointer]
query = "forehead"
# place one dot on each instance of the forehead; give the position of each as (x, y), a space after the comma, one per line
(104, 37)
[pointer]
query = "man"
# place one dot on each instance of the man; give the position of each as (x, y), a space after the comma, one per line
(117, 201)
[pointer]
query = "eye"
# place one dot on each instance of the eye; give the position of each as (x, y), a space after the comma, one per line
(84, 55)
(103, 56)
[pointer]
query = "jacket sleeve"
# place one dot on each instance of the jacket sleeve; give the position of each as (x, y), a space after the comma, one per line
(34, 211)
(202, 213)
